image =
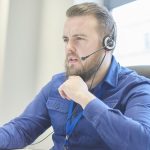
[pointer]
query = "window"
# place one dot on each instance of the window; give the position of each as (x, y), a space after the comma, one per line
(133, 39)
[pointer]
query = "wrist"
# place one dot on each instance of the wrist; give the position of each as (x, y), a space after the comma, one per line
(86, 98)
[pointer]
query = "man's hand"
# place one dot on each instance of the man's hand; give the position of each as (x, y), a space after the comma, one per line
(76, 89)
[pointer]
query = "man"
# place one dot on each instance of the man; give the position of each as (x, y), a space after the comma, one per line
(96, 104)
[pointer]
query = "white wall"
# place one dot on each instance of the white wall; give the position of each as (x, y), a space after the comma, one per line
(82, 1)
(4, 8)
(19, 61)
(51, 48)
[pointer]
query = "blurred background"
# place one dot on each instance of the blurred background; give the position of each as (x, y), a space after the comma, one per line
(32, 50)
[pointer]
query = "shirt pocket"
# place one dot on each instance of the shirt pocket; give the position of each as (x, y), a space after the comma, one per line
(58, 110)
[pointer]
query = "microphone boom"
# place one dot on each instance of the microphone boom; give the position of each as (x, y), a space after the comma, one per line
(85, 57)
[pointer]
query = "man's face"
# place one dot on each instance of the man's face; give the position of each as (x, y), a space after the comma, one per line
(81, 38)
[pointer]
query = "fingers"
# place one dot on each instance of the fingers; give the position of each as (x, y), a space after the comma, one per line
(62, 93)
(71, 88)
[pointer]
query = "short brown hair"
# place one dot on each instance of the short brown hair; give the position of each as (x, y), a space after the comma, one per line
(103, 16)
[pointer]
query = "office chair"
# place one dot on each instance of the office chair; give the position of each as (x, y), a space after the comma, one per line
(141, 69)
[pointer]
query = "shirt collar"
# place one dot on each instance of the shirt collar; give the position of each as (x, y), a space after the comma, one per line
(112, 74)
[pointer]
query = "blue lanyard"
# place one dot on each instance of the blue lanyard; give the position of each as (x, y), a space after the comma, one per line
(71, 123)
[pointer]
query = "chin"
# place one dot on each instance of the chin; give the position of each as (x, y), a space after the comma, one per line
(73, 72)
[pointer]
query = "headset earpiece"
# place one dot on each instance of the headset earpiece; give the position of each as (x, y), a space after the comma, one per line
(108, 43)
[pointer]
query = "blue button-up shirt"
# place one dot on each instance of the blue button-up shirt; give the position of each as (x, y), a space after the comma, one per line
(118, 119)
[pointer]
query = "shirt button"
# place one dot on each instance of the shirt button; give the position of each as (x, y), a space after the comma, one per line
(57, 106)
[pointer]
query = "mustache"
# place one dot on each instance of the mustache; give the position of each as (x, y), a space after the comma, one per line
(72, 54)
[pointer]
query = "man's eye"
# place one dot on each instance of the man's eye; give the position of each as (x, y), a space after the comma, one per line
(79, 38)
(65, 40)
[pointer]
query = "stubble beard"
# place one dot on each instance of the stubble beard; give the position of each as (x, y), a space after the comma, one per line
(85, 72)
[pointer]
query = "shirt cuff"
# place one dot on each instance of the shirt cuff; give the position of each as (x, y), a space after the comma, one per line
(94, 110)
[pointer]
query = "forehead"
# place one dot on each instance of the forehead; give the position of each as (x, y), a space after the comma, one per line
(80, 24)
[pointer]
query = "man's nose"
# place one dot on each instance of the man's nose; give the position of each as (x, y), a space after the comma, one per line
(70, 47)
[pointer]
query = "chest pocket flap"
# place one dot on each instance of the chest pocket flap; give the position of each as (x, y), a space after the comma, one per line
(58, 104)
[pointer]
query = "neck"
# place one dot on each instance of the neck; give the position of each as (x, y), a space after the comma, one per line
(100, 74)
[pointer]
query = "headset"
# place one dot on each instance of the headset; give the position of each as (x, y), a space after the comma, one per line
(109, 41)
(108, 44)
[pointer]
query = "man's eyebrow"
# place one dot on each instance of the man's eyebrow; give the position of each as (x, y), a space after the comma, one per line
(83, 35)
(75, 35)
(64, 37)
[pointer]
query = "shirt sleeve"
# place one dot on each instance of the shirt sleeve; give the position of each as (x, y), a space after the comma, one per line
(128, 131)
(24, 129)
